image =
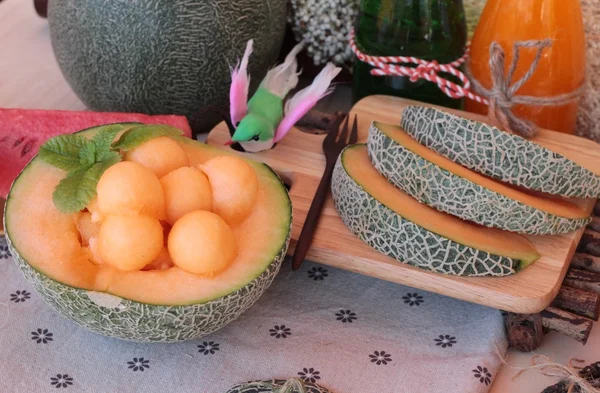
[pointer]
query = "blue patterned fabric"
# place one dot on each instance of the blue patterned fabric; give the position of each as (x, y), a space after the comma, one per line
(347, 332)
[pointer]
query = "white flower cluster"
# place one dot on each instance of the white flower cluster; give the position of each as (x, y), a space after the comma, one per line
(324, 26)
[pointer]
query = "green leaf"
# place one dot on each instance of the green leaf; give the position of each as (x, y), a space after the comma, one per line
(76, 190)
(140, 134)
(104, 138)
(69, 196)
(111, 155)
(62, 151)
(87, 154)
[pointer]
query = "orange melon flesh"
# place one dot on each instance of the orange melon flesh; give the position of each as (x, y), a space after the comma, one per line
(87, 227)
(42, 234)
(494, 241)
(49, 241)
(550, 204)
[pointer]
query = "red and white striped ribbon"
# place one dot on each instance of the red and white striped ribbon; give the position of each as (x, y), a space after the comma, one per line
(428, 70)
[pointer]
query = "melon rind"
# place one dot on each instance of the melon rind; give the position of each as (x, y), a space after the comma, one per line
(272, 386)
(498, 154)
(134, 321)
(453, 194)
(391, 234)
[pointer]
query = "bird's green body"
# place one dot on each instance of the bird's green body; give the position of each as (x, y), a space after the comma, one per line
(265, 112)
(260, 123)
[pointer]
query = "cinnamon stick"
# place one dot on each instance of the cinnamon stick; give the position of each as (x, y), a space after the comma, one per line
(569, 324)
(585, 261)
(591, 373)
(583, 279)
(590, 242)
(523, 338)
(578, 301)
(559, 387)
(524, 332)
(590, 236)
(594, 225)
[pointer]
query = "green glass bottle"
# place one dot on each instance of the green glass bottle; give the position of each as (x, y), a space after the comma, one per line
(426, 29)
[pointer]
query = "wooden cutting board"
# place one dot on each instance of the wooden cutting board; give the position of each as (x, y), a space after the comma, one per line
(299, 160)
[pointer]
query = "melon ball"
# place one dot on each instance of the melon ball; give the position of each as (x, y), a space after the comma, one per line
(202, 243)
(128, 188)
(186, 189)
(130, 242)
(234, 187)
(161, 155)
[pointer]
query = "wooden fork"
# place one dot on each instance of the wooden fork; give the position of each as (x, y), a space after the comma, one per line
(333, 144)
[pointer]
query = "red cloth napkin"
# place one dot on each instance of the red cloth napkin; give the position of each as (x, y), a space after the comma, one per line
(22, 131)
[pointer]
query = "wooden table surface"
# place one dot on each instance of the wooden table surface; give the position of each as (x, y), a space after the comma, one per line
(30, 78)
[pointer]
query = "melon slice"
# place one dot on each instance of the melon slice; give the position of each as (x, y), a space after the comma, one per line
(151, 304)
(399, 226)
(498, 154)
(438, 182)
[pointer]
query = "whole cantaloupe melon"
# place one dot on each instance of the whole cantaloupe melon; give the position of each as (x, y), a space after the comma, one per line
(157, 56)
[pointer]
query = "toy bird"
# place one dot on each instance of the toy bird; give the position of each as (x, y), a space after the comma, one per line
(263, 121)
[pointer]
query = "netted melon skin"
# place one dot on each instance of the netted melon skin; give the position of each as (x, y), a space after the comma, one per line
(498, 154)
(273, 386)
(405, 241)
(134, 321)
(447, 192)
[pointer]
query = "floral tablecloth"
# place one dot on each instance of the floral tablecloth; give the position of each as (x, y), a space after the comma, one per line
(347, 332)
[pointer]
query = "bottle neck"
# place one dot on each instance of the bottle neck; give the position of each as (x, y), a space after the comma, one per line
(428, 29)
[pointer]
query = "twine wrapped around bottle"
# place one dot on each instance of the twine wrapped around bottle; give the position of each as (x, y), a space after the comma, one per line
(502, 97)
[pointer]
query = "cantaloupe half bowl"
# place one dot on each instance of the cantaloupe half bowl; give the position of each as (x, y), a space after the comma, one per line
(146, 306)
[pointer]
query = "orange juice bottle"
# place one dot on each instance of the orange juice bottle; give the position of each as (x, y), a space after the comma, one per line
(561, 69)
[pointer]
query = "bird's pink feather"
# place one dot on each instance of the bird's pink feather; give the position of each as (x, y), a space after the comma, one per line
(305, 99)
(238, 91)
(292, 118)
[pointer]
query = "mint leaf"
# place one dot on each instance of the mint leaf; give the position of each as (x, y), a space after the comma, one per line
(75, 191)
(110, 155)
(62, 151)
(136, 136)
(87, 154)
(68, 196)
(104, 138)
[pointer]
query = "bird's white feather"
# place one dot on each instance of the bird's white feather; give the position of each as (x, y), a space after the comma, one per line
(284, 77)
